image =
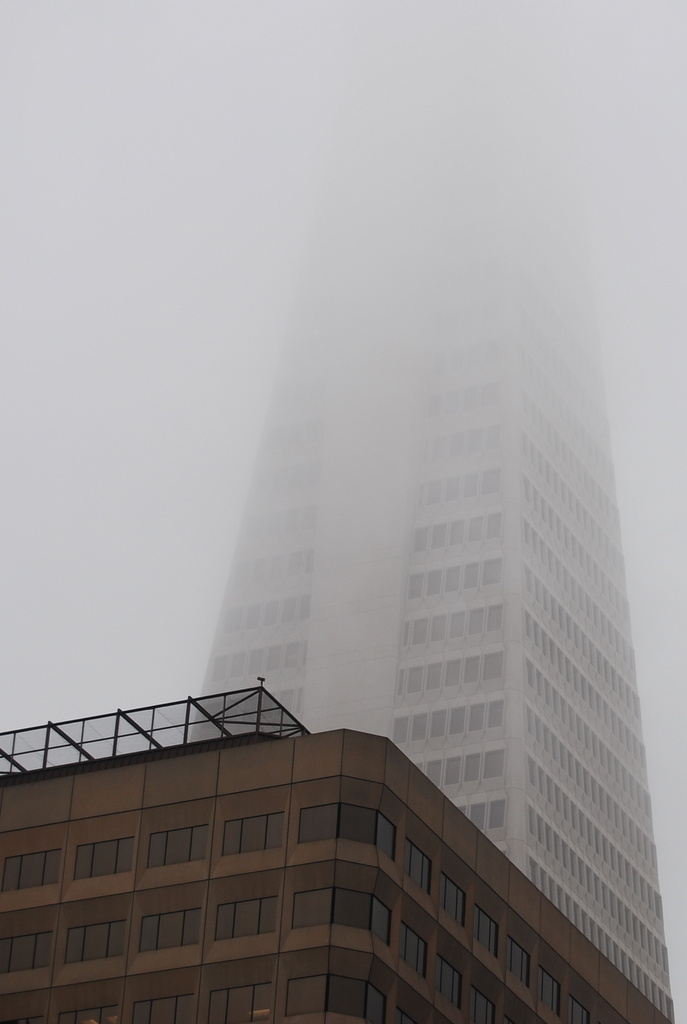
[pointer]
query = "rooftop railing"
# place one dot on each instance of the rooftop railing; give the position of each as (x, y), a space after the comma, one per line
(160, 726)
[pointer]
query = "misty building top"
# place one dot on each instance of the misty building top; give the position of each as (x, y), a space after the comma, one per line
(238, 715)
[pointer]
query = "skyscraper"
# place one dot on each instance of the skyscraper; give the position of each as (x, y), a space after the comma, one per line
(431, 546)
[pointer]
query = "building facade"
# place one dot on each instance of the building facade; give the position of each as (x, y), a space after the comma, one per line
(265, 874)
(431, 547)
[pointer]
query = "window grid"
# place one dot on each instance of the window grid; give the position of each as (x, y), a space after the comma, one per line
(109, 857)
(452, 899)
(95, 941)
(482, 1010)
(246, 835)
(162, 931)
(168, 1009)
(518, 960)
(413, 949)
(31, 869)
(486, 930)
(549, 991)
(417, 865)
(448, 981)
(178, 846)
(245, 1003)
(246, 917)
(25, 952)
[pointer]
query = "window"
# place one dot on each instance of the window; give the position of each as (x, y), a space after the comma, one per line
(452, 774)
(470, 576)
(457, 721)
(252, 616)
(452, 581)
(494, 526)
(577, 1014)
(456, 625)
(413, 949)
(161, 931)
(242, 1004)
(482, 1010)
(91, 1015)
(168, 1010)
(31, 869)
(549, 991)
(518, 961)
(491, 571)
(401, 729)
(492, 666)
(110, 857)
(434, 577)
(244, 835)
(416, 585)
(448, 981)
(495, 714)
(438, 723)
(452, 899)
(418, 730)
(177, 846)
(329, 992)
(24, 952)
(492, 767)
(494, 617)
(486, 930)
(471, 770)
(476, 718)
(472, 669)
(491, 481)
(417, 865)
(477, 813)
(420, 628)
(347, 821)
(247, 917)
(497, 813)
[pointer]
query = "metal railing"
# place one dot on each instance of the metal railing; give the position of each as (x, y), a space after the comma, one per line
(196, 719)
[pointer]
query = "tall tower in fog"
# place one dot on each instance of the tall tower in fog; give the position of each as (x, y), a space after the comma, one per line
(431, 545)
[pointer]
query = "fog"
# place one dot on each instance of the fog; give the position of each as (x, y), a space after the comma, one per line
(161, 172)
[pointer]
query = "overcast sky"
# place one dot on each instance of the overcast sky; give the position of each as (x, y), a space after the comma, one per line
(160, 166)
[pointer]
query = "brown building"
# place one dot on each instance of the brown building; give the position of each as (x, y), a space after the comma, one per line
(209, 861)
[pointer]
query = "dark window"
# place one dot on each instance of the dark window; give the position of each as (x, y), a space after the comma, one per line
(350, 996)
(403, 1018)
(482, 1010)
(107, 858)
(95, 941)
(341, 906)
(179, 928)
(549, 991)
(91, 1015)
(24, 952)
(247, 917)
(486, 930)
(577, 1014)
(245, 1003)
(452, 899)
(413, 949)
(417, 865)
(168, 1010)
(262, 832)
(448, 981)
(518, 960)
(347, 821)
(177, 846)
(31, 869)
